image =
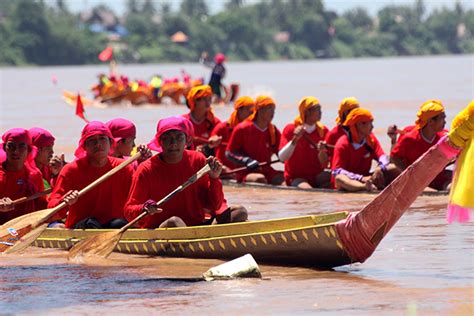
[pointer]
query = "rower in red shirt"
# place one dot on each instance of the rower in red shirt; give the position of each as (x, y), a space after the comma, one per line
(305, 158)
(201, 115)
(345, 107)
(163, 173)
(353, 155)
(429, 128)
(255, 141)
(18, 176)
(49, 165)
(102, 207)
(124, 133)
(243, 108)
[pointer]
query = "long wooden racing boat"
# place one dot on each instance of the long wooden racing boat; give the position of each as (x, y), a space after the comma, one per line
(324, 240)
(303, 241)
(329, 240)
(254, 185)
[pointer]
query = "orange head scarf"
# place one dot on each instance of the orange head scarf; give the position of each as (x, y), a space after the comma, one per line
(239, 103)
(261, 102)
(355, 116)
(200, 92)
(306, 103)
(346, 104)
(428, 110)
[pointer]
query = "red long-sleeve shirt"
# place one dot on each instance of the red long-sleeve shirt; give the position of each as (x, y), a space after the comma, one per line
(248, 140)
(357, 161)
(104, 202)
(332, 137)
(155, 179)
(223, 129)
(304, 163)
(203, 129)
(412, 145)
(18, 184)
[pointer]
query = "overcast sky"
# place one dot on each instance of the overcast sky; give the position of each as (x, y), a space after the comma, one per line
(340, 6)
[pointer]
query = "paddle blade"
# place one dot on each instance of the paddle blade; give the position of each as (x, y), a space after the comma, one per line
(26, 241)
(100, 245)
(16, 229)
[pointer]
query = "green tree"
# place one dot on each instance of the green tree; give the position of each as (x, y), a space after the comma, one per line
(31, 31)
(194, 8)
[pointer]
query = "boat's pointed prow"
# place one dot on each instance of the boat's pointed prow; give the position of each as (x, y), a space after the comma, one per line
(361, 232)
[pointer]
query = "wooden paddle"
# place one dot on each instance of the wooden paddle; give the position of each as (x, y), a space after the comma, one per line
(262, 164)
(206, 141)
(312, 142)
(34, 223)
(32, 197)
(104, 243)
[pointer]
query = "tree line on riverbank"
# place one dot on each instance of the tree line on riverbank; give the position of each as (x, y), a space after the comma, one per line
(35, 32)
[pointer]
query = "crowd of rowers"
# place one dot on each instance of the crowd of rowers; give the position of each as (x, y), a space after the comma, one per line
(313, 156)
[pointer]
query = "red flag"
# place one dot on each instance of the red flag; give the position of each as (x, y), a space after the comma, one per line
(106, 54)
(80, 108)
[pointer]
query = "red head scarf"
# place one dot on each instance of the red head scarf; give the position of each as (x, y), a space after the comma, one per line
(92, 129)
(121, 128)
(355, 116)
(41, 137)
(428, 110)
(346, 104)
(239, 103)
(178, 123)
(219, 58)
(306, 103)
(261, 102)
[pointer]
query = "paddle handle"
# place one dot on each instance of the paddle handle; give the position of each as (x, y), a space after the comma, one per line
(104, 177)
(206, 141)
(312, 142)
(32, 197)
(204, 170)
(262, 164)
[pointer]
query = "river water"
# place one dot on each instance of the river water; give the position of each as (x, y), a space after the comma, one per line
(424, 266)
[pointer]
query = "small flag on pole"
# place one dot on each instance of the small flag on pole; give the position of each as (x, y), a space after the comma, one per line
(106, 54)
(80, 108)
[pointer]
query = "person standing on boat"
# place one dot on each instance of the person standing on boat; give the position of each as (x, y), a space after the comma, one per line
(49, 165)
(18, 175)
(163, 173)
(103, 206)
(217, 74)
(305, 158)
(353, 155)
(243, 108)
(255, 141)
(124, 133)
(202, 117)
(345, 107)
(428, 129)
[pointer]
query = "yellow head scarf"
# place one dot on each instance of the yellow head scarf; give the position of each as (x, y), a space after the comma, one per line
(355, 116)
(462, 136)
(306, 103)
(261, 102)
(239, 103)
(200, 92)
(346, 104)
(428, 110)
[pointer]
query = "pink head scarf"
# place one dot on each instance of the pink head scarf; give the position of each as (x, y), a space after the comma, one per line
(121, 128)
(41, 137)
(19, 135)
(92, 129)
(178, 123)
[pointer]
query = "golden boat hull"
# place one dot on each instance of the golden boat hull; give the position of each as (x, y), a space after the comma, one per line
(298, 241)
